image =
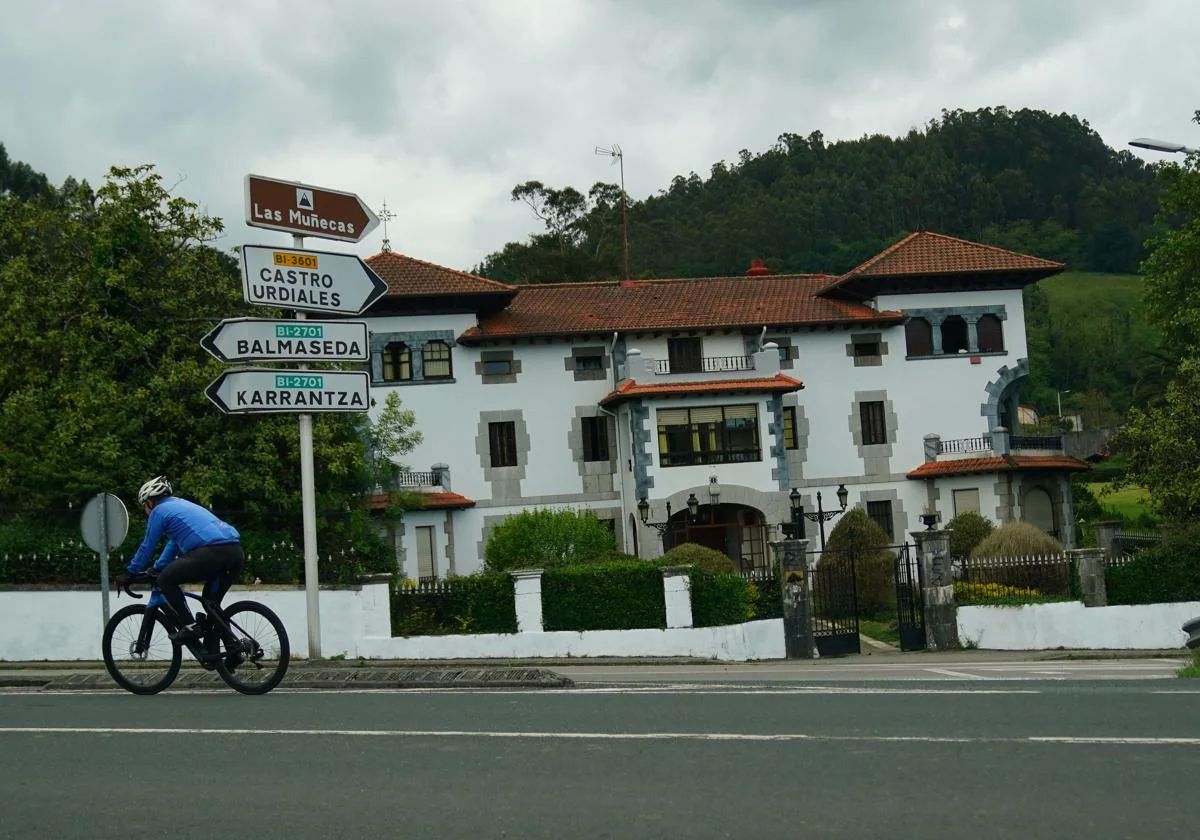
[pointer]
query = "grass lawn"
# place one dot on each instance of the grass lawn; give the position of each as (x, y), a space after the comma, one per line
(1192, 670)
(883, 627)
(1086, 289)
(1129, 502)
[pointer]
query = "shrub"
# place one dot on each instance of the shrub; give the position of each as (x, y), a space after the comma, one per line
(548, 539)
(603, 596)
(699, 557)
(719, 599)
(477, 604)
(857, 539)
(1017, 539)
(967, 530)
(1169, 571)
(969, 592)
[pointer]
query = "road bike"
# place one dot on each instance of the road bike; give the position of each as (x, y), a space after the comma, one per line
(245, 642)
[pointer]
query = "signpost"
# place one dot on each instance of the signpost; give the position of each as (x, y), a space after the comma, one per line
(261, 339)
(318, 281)
(305, 210)
(104, 524)
(302, 281)
(262, 391)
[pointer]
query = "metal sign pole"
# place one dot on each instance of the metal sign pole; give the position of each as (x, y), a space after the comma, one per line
(308, 504)
(104, 557)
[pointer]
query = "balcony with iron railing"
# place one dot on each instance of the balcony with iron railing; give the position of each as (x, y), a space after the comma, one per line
(647, 369)
(999, 442)
(708, 364)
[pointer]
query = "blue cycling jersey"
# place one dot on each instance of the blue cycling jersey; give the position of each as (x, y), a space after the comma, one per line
(186, 525)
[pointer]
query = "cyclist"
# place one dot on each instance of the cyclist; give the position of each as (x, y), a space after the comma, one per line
(200, 549)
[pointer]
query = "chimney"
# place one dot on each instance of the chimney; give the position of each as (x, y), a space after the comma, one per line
(758, 268)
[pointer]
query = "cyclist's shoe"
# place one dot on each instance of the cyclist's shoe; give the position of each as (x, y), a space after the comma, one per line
(232, 660)
(191, 633)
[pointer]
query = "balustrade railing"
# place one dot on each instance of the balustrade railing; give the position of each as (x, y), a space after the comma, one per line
(961, 446)
(708, 364)
(419, 479)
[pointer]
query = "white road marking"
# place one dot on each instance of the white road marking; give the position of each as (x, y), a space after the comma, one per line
(601, 736)
(962, 675)
(678, 689)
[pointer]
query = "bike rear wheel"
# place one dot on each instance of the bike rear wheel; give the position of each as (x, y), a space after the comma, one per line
(138, 654)
(262, 644)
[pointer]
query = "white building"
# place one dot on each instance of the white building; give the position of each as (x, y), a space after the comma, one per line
(898, 380)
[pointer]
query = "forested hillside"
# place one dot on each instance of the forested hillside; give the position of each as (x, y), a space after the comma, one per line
(1028, 180)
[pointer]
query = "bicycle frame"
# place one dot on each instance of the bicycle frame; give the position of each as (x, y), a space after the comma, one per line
(158, 605)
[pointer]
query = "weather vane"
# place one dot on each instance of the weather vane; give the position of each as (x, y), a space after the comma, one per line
(386, 215)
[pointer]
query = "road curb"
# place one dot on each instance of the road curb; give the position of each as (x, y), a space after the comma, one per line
(339, 679)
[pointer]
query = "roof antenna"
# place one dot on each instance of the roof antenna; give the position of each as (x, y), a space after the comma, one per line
(386, 215)
(615, 152)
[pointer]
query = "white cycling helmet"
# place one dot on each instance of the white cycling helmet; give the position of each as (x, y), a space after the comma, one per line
(157, 486)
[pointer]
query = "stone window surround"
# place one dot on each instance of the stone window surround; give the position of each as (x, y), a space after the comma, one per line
(591, 470)
(796, 457)
(416, 342)
(498, 356)
(505, 481)
(899, 517)
(970, 314)
(778, 449)
(875, 457)
(600, 375)
(867, 338)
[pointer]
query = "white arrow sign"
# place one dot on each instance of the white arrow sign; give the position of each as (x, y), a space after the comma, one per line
(316, 281)
(259, 391)
(260, 339)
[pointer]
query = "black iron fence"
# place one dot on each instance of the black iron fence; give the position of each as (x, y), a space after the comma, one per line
(1051, 442)
(1015, 580)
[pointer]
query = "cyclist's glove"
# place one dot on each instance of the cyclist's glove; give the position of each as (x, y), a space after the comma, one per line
(121, 580)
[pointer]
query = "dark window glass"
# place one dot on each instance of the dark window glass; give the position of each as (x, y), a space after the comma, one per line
(589, 363)
(437, 360)
(881, 515)
(595, 438)
(954, 335)
(497, 367)
(502, 440)
(866, 348)
(789, 427)
(397, 362)
(874, 428)
(716, 435)
(918, 335)
(991, 334)
(684, 355)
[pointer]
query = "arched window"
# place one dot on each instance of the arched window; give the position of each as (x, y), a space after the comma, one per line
(918, 336)
(436, 356)
(1037, 509)
(954, 335)
(397, 362)
(991, 334)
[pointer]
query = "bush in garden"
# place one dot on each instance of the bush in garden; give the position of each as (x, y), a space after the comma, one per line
(548, 539)
(967, 530)
(483, 603)
(1167, 572)
(858, 539)
(719, 599)
(603, 596)
(700, 557)
(1017, 539)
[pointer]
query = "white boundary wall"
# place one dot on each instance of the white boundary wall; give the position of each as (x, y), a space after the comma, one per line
(66, 625)
(1072, 625)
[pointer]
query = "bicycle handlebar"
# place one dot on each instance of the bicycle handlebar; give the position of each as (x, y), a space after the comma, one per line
(140, 577)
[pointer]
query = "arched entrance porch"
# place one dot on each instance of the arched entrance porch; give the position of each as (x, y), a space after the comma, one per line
(737, 531)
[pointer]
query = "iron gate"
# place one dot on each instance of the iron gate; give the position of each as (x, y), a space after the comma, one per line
(834, 604)
(910, 604)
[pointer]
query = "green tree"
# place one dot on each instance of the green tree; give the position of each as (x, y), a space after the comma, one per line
(859, 540)
(105, 297)
(545, 539)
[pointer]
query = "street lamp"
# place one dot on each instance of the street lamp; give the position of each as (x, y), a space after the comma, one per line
(643, 507)
(1162, 145)
(822, 516)
(794, 530)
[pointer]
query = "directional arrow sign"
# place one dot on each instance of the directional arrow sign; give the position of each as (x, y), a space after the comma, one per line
(255, 391)
(258, 339)
(307, 210)
(317, 281)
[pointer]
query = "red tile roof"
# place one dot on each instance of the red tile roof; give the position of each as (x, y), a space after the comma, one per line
(777, 384)
(410, 277)
(924, 253)
(997, 463)
(711, 302)
(431, 501)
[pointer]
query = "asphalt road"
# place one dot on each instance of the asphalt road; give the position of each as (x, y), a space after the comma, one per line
(869, 758)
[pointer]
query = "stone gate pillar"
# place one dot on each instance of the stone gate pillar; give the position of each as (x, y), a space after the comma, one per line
(797, 601)
(941, 616)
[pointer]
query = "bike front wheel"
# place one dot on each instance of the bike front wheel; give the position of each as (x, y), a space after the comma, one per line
(260, 657)
(138, 653)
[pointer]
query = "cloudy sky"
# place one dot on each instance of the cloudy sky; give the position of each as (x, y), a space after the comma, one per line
(440, 108)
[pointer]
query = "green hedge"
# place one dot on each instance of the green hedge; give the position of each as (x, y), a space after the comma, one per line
(1170, 571)
(477, 604)
(603, 596)
(719, 599)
